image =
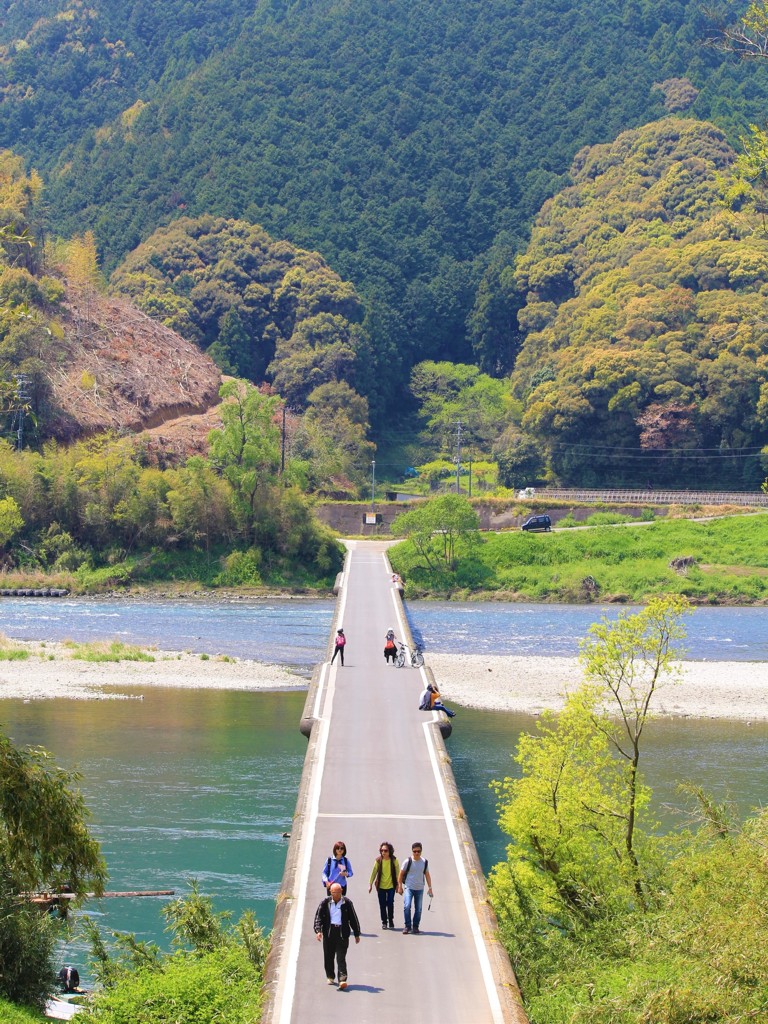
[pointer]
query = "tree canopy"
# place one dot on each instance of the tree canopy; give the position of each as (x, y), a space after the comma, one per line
(410, 143)
(645, 352)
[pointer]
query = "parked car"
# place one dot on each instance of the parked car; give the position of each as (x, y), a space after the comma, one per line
(537, 523)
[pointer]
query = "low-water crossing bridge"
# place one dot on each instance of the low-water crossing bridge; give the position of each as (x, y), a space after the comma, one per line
(377, 770)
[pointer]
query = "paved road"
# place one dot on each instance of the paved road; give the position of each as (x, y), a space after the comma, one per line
(377, 778)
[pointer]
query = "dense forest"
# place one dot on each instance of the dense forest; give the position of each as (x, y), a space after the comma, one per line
(410, 144)
(645, 355)
(382, 213)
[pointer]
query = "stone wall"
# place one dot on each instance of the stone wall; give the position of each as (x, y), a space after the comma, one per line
(347, 518)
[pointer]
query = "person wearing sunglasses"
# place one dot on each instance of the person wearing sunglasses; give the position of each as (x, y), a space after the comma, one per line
(337, 868)
(414, 876)
(384, 877)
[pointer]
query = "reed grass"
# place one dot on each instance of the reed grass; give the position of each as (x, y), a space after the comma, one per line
(108, 651)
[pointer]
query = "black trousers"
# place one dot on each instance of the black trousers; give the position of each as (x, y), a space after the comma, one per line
(386, 904)
(335, 949)
(340, 651)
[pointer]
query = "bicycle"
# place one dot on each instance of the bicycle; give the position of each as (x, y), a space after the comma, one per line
(417, 658)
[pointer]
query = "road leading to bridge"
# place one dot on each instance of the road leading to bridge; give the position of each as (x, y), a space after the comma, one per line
(377, 770)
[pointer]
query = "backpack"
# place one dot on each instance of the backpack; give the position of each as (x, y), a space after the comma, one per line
(407, 866)
(340, 639)
(344, 861)
(425, 701)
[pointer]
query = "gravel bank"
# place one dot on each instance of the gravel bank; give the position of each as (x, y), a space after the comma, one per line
(736, 690)
(711, 689)
(51, 671)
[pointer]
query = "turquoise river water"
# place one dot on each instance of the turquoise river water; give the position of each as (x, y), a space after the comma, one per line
(202, 784)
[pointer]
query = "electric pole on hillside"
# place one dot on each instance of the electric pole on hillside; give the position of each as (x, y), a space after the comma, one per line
(458, 456)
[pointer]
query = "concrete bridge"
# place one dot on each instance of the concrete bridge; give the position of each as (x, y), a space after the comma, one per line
(377, 770)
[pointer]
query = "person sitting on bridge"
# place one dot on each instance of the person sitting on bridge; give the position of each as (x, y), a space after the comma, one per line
(335, 920)
(390, 646)
(337, 868)
(430, 701)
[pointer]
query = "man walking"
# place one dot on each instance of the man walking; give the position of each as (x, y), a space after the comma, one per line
(335, 920)
(413, 875)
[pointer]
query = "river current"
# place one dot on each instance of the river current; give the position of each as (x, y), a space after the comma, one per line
(202, 784)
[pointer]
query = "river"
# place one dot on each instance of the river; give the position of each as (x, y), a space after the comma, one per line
(202, 784)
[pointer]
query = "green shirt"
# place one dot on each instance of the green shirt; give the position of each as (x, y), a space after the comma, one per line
(386, 882)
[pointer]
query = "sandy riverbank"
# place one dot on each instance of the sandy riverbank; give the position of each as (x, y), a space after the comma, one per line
(736, 690)
(52, 671)
(722, 689)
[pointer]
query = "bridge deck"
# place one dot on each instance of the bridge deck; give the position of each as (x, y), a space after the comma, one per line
(377, 773)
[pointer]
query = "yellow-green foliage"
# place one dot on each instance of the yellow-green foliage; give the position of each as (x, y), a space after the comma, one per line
(606, 921)
(254, 301)
(645, 305)
(103, 651)
(12, 1014)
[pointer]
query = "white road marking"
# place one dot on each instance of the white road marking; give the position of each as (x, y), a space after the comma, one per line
(396, 817)
(288, 972)
(482, 951)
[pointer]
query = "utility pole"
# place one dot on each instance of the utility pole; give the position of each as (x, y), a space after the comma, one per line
(282, 451)
(458, 456)
(22, 397)
(373, 485)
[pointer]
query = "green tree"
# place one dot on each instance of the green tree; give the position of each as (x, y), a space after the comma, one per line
(45, 844)
(627, 659)
(332, 439)
(749, 37)
(233, 350)
(215, 972)
(44, 838)
(200, 503)
(579, 862)
(246, 450)
(10, 520)
(436, 527)
(746, 189)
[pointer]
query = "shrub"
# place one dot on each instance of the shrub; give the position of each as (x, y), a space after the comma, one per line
(12, 1014)
(197, 988)
(115, 651)
(27, 948)
(241, 569)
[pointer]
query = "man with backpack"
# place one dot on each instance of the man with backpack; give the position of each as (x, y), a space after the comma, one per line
(413, 875)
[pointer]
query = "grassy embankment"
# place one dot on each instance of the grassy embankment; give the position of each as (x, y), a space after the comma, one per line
(607, 563)
(12, 1014)
(182, 573)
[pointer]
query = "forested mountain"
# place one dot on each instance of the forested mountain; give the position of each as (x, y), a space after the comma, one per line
(646, 352)
(410, 143)
(257, 305)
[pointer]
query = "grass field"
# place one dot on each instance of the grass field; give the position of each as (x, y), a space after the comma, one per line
(622, 563)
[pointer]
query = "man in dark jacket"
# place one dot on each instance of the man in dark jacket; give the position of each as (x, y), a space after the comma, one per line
(335, 920)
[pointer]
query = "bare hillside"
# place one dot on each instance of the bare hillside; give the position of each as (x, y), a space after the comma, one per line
(117, 369)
